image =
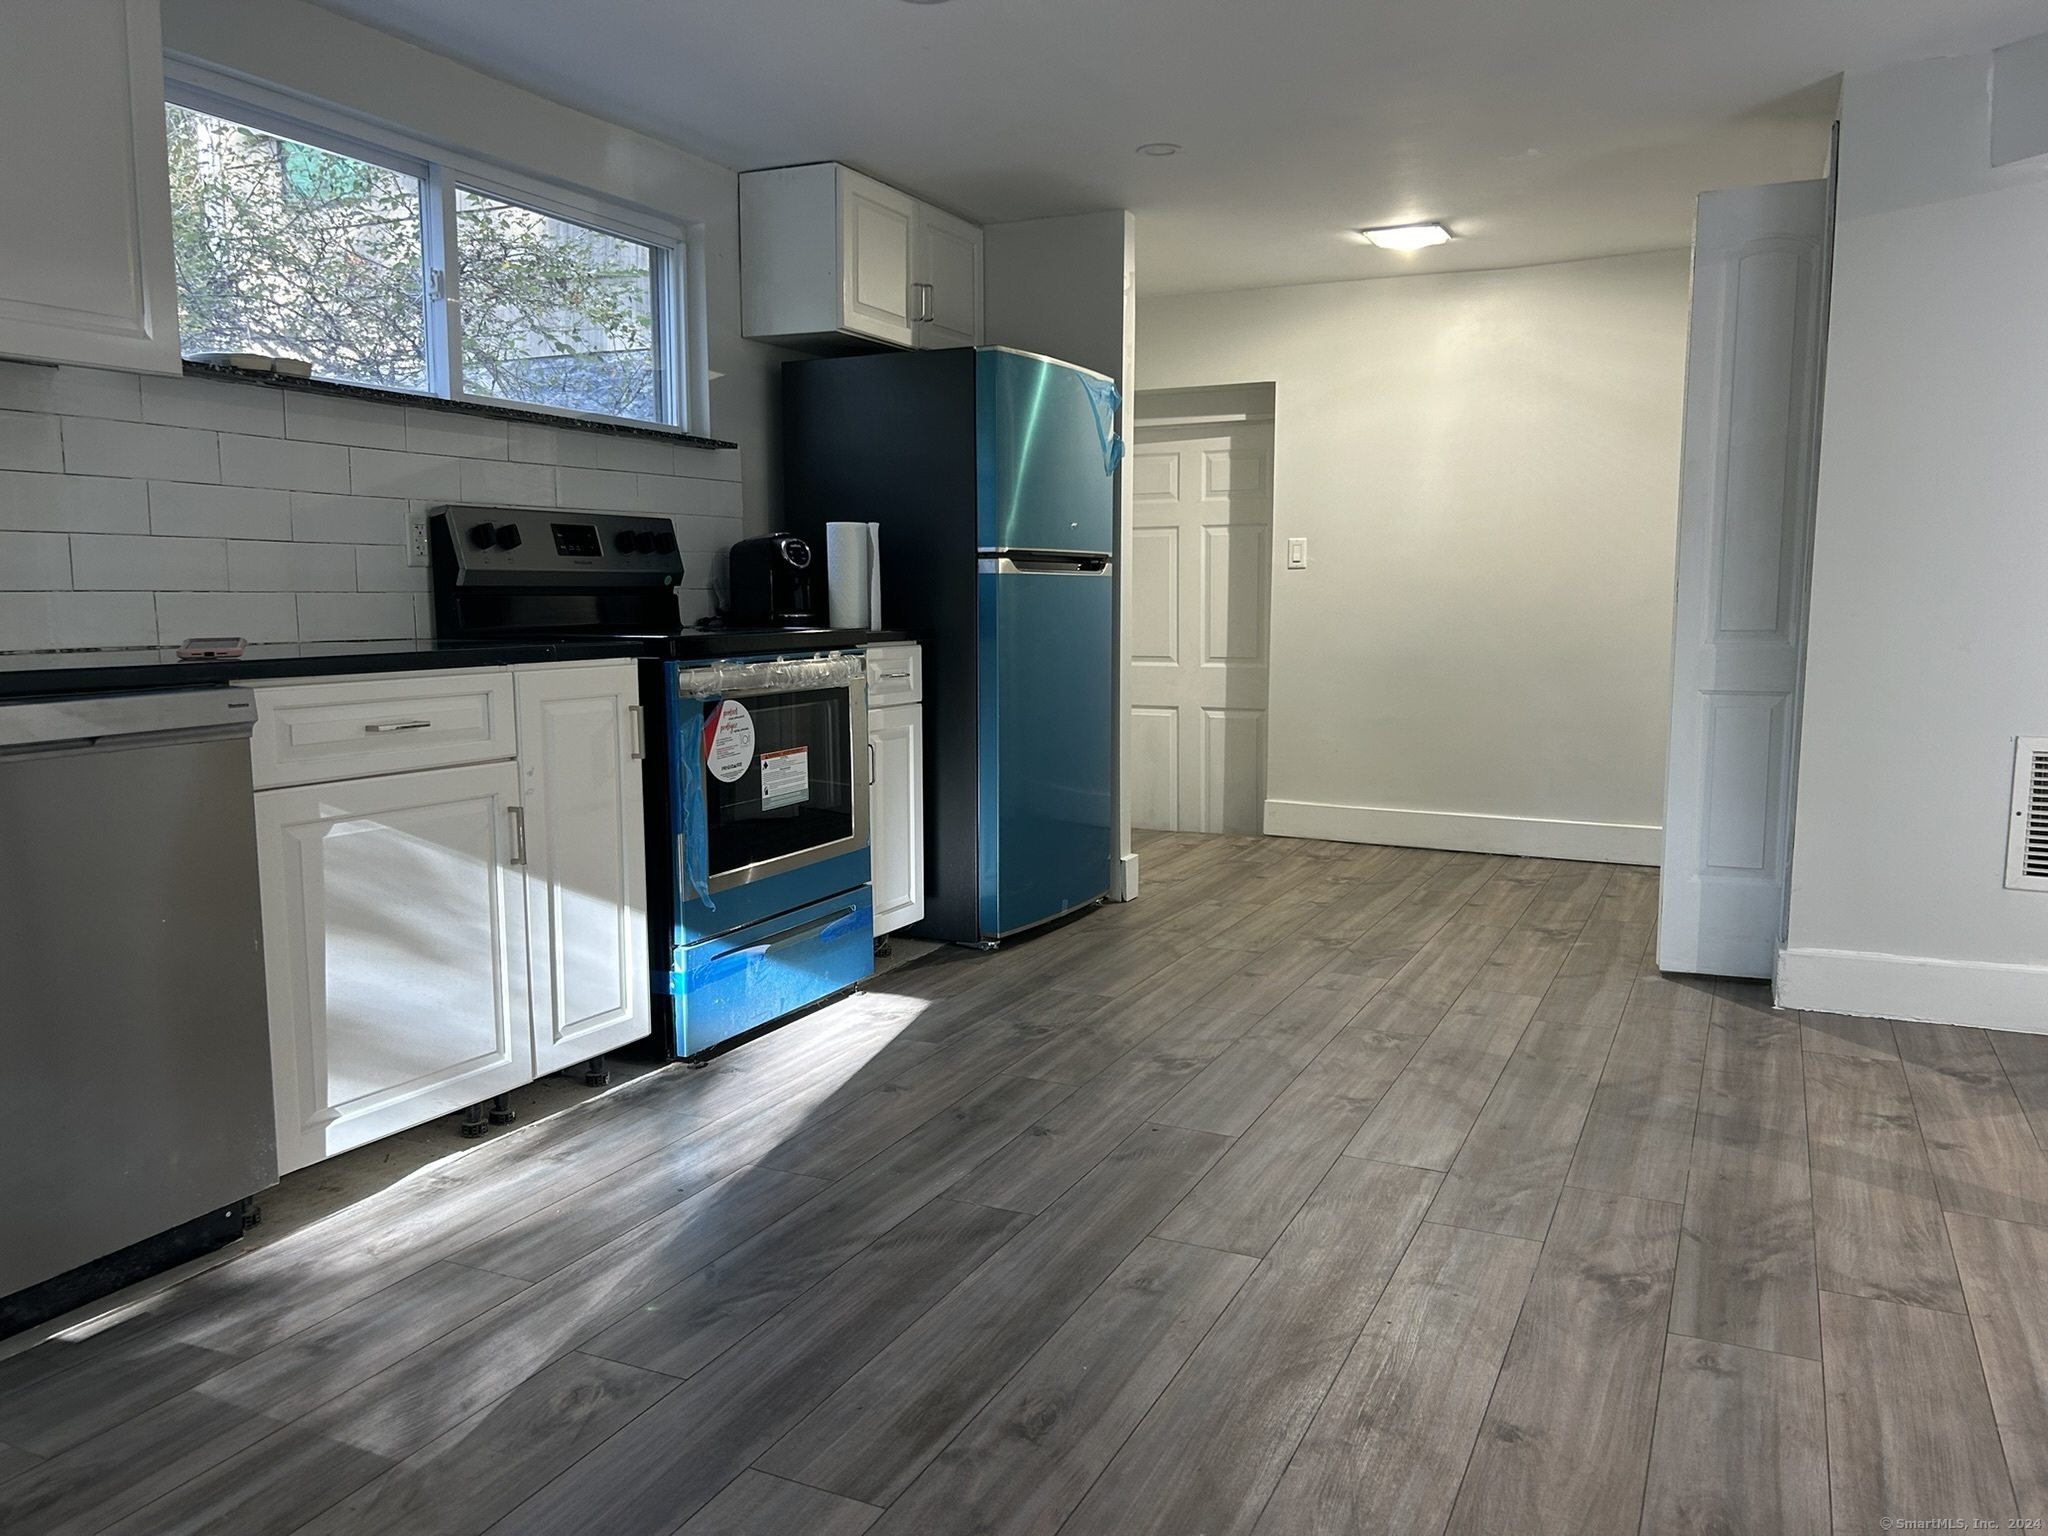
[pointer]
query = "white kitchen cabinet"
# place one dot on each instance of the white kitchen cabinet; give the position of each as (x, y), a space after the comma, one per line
(945, 280)
(580, 743)
(437, 935)
(896, 785)
(829, 255)
(86, 271)
(394, 924)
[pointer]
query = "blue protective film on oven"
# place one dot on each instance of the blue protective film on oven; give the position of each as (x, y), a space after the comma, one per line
(696, 835)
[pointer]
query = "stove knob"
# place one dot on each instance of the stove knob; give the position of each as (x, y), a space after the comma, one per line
(622, 541)
(645, 541)
(483, 535)
(508, 536)
(665, 541)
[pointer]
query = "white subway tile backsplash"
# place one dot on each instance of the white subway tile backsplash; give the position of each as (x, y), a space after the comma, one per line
(283, 464)
(348, 519)
(289, 567)
(696, 603)
(356, 615)
(113, 563)
(382, 568)
(30, 441)
(70, 391)
(708, 463)
(62, 621)
(599, 490)
(73, 503)
(421, 476)
(35, 562)
(605, 450)
(216, 404)
(533, 444)
(334, 419)
(677, 497)
(256, 616)
(219, 511)
(180, 506)
(139, 450)
(454, 432)
(495, 482)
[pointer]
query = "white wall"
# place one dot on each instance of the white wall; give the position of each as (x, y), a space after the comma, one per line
(1927, 652)
(1066, 288)
(1486, 468)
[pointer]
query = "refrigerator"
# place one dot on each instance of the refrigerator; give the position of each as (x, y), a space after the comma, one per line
(992, 474)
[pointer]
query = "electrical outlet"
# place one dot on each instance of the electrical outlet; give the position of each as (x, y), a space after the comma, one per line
(416, 537)
(1297, 554)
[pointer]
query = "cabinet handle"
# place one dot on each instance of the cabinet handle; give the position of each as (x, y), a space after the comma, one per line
(518, 815)
(871, 765)
(886, 676)
(378, 727)
(924, 301)
(639, 730)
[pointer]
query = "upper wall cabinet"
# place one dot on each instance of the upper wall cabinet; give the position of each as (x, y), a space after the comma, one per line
(830, 256)
(86, 273)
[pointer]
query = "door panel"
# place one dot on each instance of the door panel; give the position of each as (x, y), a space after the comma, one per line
(1045, 745)
(1045, 480)
(395, 942)
(896, 822)
(875, 230)
(1155, 768)
(586, 861)
(1200, 555)
(949, 266)
(1744, 529)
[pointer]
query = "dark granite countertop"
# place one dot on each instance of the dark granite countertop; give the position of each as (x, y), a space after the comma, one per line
(29, 674)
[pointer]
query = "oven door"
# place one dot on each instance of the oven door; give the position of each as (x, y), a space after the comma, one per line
(781, 766)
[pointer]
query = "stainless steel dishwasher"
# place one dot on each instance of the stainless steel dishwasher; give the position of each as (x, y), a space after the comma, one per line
(135, 1099)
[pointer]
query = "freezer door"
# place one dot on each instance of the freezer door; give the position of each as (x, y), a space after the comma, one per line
(1042, 449)
(1044, 720)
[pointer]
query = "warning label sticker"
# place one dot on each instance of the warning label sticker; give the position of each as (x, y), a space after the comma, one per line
(729, 741)
(785, 777)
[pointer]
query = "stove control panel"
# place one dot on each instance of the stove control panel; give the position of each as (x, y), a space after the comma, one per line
(527, 546)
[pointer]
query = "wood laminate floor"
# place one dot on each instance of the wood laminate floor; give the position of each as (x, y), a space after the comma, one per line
(1323, 1189)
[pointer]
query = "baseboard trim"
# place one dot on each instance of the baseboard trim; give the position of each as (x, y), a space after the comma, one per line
(1123, 878)
(1983, 993)
(1599, 842)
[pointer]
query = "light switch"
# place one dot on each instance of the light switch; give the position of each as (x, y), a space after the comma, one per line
(1297, 554)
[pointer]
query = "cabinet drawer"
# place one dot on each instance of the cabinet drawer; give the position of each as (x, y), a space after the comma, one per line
(313, 733)
(895, 675)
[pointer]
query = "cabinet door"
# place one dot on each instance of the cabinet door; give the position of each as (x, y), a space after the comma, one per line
(875, 225)
(86, 273)
(896, 814)
(946, 278)
(586, 876)
(394, 931)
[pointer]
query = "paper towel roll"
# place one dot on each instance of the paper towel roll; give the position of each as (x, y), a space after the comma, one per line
(849, 572)
(874, 575)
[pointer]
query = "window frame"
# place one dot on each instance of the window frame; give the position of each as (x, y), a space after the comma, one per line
(678, 248)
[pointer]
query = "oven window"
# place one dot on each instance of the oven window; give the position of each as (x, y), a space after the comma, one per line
(796, 793)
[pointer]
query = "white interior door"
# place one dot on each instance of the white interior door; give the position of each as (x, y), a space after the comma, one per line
(1745, 527)
(1200, 556)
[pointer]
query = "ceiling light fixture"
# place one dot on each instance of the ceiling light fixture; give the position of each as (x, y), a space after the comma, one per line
(1159, 149)
(1405, 237)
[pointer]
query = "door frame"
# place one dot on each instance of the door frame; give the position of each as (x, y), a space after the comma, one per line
(1220, 405)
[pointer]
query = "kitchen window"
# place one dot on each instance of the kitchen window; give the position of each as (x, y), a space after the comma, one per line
(415, 273)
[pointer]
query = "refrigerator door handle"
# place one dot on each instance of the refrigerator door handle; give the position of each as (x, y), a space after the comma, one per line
(1020, 564)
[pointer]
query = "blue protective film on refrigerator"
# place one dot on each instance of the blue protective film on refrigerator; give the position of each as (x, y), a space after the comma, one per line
(1103, 400)
(1045, 449)
(696, 837)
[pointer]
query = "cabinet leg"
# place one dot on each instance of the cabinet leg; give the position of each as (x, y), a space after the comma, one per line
(502, 1112)
(473, 1121)
(595, 1073)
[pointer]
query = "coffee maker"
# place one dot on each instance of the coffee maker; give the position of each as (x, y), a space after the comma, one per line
(771, 581)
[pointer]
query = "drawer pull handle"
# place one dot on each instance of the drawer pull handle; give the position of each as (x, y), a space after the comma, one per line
(893, 675)
(379, 727)
(639, 730)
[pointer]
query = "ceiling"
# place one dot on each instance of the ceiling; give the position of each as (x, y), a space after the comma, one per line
(1539, 130)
